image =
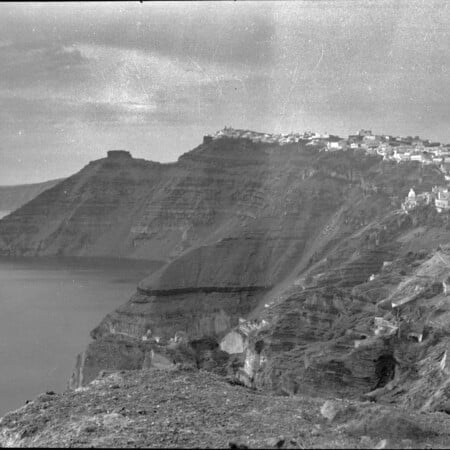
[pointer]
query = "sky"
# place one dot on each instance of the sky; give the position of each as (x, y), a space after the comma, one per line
(78, 79)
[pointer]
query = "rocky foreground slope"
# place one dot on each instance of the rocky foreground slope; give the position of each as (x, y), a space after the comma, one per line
(288, 270)
(184, 408)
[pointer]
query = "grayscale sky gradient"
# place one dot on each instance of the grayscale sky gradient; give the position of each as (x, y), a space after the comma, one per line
(79, 79)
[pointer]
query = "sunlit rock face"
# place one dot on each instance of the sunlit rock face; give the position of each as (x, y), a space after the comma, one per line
(233, 343)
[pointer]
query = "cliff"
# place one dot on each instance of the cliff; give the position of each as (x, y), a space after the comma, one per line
(274, 215)
(281, 265)
(231, 190)
(87, 214)
(13, 197)
(337, 329)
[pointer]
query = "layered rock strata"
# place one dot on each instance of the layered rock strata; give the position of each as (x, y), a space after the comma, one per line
(385, 338)
(287, 236)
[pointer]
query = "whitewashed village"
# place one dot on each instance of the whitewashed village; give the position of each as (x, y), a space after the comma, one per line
(391, 148)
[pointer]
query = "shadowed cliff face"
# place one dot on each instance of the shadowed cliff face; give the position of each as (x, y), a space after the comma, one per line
(88, 214)
(237, 224)
(245, 193)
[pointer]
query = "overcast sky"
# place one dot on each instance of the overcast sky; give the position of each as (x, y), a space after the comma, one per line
(79, 79)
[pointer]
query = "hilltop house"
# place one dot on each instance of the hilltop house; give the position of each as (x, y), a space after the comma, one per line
(400, 155)
(445, 169)
(413, 200)
(336, 145)
(369, 138)
(421, 157)
(439, 194)
(410, 201)
(442, 198)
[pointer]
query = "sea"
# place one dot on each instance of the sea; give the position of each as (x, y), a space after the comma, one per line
(48, 306)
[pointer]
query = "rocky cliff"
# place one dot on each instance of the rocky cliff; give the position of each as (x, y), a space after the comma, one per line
(293, 214)
(286, 268)
(88, 214)
(340, 330)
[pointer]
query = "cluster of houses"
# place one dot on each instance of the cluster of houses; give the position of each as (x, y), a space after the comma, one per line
(394, 148)
(325, 141)
(254, 136)
(439, 195)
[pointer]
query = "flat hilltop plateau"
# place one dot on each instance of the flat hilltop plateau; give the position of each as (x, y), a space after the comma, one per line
(300, 303)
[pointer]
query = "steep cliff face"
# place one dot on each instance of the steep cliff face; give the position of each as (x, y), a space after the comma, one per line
(383, 337)
(318, 226)
(239, 226)
(88, 214)
(228, 188)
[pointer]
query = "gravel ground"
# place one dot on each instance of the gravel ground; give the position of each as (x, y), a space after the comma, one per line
(184, 408)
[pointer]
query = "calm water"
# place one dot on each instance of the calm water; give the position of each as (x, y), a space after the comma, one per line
(47, 309)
